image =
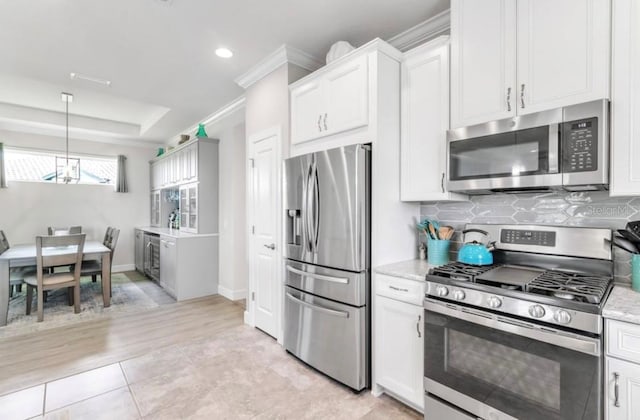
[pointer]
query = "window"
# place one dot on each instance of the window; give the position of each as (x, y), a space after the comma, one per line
(44, 166)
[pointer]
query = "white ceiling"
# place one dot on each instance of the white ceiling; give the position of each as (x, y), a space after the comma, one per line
(160, 56)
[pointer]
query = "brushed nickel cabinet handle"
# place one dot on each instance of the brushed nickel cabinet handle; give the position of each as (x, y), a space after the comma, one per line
(442, 182)
(319, 121)
(325, 122)
(522, 96)
(398, 289)
(418, 326)
(616, 389)
(509, 99)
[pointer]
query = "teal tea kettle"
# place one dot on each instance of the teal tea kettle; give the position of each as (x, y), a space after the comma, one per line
(476, 253)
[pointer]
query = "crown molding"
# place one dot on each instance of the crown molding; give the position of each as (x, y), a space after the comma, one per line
(284, 54)
(422, 32)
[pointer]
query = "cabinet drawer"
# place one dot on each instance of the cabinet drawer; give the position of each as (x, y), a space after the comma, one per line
(623, 340)
(405, 290)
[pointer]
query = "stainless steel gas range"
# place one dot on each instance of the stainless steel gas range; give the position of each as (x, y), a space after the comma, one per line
(521, 338)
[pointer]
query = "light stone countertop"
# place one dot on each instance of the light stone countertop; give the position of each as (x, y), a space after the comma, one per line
(623, 304)
(412, 269)
(175, 233)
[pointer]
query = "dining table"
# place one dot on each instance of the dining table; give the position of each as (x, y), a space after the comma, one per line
(25, 255)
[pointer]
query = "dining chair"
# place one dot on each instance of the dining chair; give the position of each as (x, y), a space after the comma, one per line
(47, 257)
(55, 231)
(16, 274)
(93, 268)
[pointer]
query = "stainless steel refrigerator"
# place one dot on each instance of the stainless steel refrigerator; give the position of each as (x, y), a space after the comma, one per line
(327, 293)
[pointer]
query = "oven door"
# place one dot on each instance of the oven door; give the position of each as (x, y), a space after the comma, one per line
(495, 367)
(511, 154)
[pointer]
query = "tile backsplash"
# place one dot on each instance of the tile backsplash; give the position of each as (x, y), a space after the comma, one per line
(587, 209)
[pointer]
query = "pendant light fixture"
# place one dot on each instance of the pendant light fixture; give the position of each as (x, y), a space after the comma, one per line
(67, 173)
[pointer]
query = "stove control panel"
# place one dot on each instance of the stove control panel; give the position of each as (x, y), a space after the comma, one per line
(528, 237)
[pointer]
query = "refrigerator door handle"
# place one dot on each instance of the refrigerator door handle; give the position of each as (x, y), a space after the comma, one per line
(308, 207)
(332, 279)
(316, 205)
(318, 308)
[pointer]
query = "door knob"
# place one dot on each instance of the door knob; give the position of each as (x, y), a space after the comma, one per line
(270, 246)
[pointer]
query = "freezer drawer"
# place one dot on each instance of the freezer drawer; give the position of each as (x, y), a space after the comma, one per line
(343, 286)
(330, 336)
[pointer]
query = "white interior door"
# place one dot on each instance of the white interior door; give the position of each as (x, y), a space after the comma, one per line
(265, 257)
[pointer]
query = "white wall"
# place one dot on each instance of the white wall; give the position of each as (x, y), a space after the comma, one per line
(233, 272)
(27, 209)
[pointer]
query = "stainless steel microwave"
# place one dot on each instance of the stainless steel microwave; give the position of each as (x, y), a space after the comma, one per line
(564, 148)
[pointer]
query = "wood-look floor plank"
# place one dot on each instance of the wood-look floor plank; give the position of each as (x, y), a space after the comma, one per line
(47, 355)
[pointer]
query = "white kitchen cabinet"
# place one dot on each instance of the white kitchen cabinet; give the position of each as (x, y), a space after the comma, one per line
(189, 265)
(625, 99)
(168, 264)
(155, 208)
(513, 57)
(306, 112)
(563, 52)
(399, 338)
(483, 61)
(189, 208)
(331, 104)
(622, 370)
(139, 250)
(190, 168)
(424, 123)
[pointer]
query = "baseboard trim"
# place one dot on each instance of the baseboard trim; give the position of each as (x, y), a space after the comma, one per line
(232, 294)
(124, 267)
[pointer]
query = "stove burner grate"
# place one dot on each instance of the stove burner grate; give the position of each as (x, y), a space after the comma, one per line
(571, 286)
(461, 272)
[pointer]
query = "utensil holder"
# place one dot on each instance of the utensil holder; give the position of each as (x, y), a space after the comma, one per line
(438, 252)
(635, 272)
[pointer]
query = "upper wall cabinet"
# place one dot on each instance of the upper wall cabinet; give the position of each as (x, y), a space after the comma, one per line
(334, 103)
(625, 99)
(514, 57)
(424, 123)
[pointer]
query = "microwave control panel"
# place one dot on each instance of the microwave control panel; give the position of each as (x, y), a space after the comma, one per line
(580, 145)
(528, 237)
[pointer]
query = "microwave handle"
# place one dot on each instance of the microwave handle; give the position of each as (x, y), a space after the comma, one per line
(554, 151)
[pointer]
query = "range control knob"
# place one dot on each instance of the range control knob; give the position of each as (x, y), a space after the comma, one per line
(562, 317)
(494, 302)
(442, 291)
(458, 295)
(536, 311)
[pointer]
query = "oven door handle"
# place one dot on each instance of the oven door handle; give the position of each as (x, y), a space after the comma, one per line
(548, 335)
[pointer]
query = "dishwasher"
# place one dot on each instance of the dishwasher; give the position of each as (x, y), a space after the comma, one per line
(152, 256)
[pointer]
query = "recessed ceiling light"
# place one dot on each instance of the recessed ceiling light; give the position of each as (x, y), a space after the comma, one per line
(224, 52)
(78, 76)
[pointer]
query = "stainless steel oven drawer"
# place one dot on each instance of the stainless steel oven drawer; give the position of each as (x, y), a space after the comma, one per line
(343, 286)
(329, 336)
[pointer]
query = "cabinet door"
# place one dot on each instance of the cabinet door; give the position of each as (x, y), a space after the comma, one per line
(625, 99)
(139, 251)
(483, 61)
(155, 208)
(184, 207)
(168, 265)
(193, 162)
(307, 107)
(425, 121)
(346, 94)
(628, 389)
(192, 193)
(563, 53)
(399, 349)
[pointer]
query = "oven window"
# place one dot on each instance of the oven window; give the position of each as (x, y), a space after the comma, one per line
(520, 376)
(524, 152)
(518, 372)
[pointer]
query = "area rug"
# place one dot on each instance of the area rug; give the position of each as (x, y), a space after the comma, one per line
(126, 298)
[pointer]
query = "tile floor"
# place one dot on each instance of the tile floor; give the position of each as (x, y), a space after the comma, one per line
(240, 373)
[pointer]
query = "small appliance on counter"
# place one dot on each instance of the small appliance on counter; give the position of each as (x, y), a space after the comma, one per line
(475, 252)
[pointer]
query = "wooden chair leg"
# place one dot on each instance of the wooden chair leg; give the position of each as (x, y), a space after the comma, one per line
(94, 278)
(29, 298)
(40, 293)
(76, 299)
(70, 295)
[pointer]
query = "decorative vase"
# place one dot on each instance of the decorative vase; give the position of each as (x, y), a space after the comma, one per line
(201, 131)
